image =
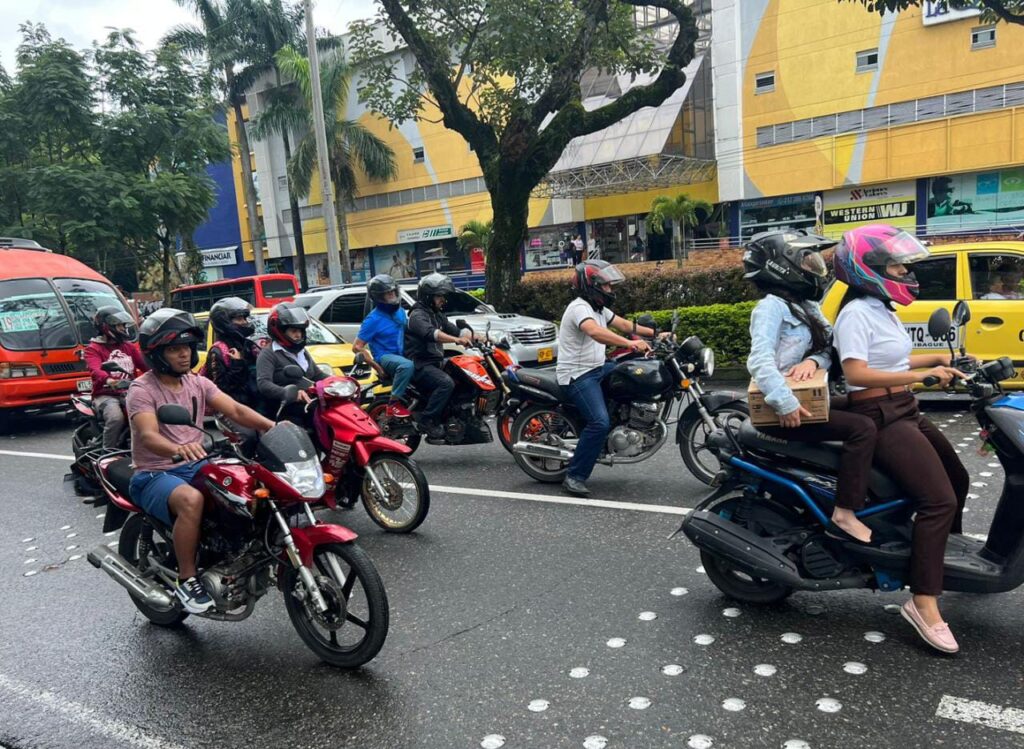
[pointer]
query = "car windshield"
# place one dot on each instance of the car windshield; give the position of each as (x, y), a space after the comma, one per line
(461, 303)
(316, 333)
(84, 298)
(32, 317)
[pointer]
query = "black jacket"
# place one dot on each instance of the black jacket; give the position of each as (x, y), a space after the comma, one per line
(271, 379)
(420, 344)
(236, 377)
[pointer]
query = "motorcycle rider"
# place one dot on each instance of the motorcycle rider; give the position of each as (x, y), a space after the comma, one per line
(231, 360)
(115, 341)
(790, 337)
(582, 338)
(383, 331)
(429, 329)
(169, 340)
(286, 325)
(876, 354)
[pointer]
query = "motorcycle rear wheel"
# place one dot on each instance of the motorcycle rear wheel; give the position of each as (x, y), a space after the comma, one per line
(351, 610)
(377, 411)
(408, 499)
(542, 424)
(128, 547)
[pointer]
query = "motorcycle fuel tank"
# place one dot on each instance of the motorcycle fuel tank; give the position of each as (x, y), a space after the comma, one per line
(639, 379)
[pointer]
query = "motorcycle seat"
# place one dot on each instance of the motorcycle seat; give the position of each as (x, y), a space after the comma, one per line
(119, 474)
(821, 454)
(542, 379)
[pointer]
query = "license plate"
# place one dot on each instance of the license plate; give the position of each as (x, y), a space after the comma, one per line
(922, 339)
(545, 354)
(84, 386)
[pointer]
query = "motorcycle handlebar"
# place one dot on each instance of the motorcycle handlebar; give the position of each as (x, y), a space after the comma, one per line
(930, 381)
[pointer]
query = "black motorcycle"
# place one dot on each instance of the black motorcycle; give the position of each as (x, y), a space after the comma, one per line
(87, 439)
(761, 532)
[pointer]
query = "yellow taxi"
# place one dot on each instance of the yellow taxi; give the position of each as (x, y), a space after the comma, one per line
(988, 275)
(328, 350)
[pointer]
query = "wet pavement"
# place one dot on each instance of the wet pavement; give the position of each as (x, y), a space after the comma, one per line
(515, 622)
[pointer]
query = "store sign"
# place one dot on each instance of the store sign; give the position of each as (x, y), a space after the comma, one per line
(938, 11)
(894, 204)
(219, 256)
(425, 235)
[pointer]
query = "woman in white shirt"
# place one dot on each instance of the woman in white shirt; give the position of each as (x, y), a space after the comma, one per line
(879, 369)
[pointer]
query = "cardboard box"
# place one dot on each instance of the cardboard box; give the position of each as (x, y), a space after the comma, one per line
(812, 394)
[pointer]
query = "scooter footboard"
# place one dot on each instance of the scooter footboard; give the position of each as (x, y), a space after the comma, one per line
(745, 550)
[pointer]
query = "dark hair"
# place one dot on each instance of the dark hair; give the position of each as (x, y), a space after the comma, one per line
(821, 341)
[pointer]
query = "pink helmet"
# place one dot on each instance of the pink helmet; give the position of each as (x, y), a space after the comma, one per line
(863, 254)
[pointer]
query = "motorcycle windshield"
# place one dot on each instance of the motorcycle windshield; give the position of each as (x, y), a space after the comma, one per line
(285, 443)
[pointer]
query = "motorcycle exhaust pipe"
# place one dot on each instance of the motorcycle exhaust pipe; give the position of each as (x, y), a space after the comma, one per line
(119, 568)
(533, 450)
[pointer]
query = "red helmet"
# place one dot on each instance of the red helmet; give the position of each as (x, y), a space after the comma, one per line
(590, 276)
(288, 315)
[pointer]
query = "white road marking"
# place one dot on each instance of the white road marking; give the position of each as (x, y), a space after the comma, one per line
(982, 713)
(470, 492)
(85, 716)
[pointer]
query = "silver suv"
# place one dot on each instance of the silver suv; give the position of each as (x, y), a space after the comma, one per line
(342, 309)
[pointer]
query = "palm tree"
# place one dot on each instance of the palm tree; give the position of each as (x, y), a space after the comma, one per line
(350, 146)
(476, 234)
(220, 40)
(682, 212)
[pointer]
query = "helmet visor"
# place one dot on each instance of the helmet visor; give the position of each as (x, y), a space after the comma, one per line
(898, 248)
(813, 262)
(293, 317)
(610, 275)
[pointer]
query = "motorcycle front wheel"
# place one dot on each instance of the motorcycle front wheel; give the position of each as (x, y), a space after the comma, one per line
(406, 499)
(129, 546)
(543, 425)
(353, 628)
(693, 438)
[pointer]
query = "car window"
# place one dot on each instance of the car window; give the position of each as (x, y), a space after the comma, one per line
(461, 303)
(84, 298)
(937, 278)
(32, 317)
(315, 334)
(345, 309)
(307, 301)
(997, 276)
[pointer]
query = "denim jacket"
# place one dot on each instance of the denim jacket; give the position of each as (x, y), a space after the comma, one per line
(778, 341)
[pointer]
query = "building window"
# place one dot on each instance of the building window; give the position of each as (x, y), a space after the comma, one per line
(983, 37)
(417, 155)
(867, 60)
(764, 82)
(282, 182)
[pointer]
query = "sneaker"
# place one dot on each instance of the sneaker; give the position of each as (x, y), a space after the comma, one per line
(396, 410)
(193, 596)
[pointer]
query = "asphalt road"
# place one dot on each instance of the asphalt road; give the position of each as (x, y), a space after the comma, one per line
(505, 611)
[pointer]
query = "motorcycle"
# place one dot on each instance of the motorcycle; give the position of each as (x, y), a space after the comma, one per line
(259, 532)
(641, 393)
(87, 439)
(361, 460)
(480, 392)
(761, 532)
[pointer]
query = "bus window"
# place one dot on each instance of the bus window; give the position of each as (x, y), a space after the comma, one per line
(31, 317)
(278, 288)
(84, 298)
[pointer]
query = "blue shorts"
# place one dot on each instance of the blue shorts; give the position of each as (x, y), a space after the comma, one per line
(151, 490)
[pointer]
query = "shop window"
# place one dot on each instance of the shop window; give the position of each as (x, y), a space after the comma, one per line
(764, 83)
(983, 37)
(867, 60)
(418, 155)
(937, 278)
(997, 276)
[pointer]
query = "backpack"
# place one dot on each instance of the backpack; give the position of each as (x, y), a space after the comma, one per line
(219, 346)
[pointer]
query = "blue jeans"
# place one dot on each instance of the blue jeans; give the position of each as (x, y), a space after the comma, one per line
(586, 394)
(400, 370)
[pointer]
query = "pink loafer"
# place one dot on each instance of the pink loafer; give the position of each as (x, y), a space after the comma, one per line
(939, 637)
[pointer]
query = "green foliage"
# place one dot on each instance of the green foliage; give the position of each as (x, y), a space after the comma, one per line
(475, 234)
(478, 294)
(723, 327)
(1011, 11)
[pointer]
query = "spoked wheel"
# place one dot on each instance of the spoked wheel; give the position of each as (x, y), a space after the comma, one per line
(693, 439)
(769, 520)
(406, 497)
(353, 628)
(378, 412)
(543, 425)
(130, 546)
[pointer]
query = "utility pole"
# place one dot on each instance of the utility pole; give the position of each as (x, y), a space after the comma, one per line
(323, 163)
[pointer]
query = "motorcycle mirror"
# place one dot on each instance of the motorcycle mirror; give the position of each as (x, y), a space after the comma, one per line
(174, 415)
(291, 394)
(293, 372)
(647, 321)
(961, 313)
(109, 366)
(939, 324)
(461, 324)
(487, 331)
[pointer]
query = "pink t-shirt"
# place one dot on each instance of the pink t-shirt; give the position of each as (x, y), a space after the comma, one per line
(147, 394)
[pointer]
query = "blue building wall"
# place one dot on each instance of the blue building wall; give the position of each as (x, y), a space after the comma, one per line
(222, 228)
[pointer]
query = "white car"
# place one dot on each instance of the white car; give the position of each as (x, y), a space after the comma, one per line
(342, 308)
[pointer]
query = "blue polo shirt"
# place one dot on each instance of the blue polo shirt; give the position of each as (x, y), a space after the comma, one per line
(385, 333)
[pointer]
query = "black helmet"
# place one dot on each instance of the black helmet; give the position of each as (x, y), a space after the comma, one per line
(435, 284)
(288, 315)
(788, 261)
(168, 327)
(222, 317)
(380, 286)
(590, 276)
(108, 318)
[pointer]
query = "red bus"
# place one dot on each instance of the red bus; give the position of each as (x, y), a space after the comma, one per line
(47, 302)
(259, 291)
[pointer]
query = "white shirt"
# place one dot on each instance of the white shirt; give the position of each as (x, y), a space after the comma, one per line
(300, 358)
(578, 353)
(869, 331)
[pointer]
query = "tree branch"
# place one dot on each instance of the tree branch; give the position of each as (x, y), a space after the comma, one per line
(1002, 12)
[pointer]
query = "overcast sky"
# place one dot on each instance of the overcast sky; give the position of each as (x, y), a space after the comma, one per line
(82, 21)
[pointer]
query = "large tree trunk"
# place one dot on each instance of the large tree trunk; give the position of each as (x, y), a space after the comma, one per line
(510, 206)
(342, 214)
(249, 187)
(293, 205)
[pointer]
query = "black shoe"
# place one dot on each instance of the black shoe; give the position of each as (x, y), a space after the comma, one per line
(432, 429)
(834, 531)
(575, 487)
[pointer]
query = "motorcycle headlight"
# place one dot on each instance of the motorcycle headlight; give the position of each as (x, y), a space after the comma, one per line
(708, 361)
(343, 388)
(325, 368)
(306, 477)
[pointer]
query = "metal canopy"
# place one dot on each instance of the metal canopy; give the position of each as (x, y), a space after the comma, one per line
(641, 173)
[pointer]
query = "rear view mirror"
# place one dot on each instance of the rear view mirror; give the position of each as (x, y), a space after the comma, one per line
(174, 415)
(939, 324)
(109, 366)
(961, 314)
(647, 321)
(291, 393)
(461, 324)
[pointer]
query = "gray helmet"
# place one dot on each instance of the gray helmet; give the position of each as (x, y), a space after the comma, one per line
(435, 284)
(380, 286)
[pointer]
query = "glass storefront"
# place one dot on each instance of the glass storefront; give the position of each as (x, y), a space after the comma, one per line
(787, 212)
(545, 244)
(978, 201)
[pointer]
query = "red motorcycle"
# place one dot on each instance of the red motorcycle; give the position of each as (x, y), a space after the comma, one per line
(258, 532)
(365, 463)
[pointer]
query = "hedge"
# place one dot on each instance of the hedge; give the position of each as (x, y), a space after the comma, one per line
(723, 327)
